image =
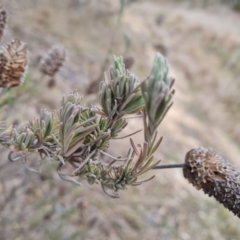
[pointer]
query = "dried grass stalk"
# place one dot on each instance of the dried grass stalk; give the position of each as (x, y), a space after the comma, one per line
(3, 20)
(13, 64)
(53, 60)
(216, 176)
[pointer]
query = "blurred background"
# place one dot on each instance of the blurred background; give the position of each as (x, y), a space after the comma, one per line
(201, 41)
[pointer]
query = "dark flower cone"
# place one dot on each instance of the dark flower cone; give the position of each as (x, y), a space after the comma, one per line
(51, 63)
(216, 176)
(3, 20)
(13, 64)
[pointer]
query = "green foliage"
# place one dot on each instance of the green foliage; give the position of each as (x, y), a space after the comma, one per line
(122, 94)
(157, 95)
(76, 135)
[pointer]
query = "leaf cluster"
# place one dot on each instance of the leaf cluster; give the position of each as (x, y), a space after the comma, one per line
(77, 137)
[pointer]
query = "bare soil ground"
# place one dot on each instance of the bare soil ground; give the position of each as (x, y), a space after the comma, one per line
(202, 47)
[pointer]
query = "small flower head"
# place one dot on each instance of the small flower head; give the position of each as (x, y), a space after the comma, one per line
(3, 20)
(53, 60)
(13, 64)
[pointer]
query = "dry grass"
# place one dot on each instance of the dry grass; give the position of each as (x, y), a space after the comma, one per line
(201, 48)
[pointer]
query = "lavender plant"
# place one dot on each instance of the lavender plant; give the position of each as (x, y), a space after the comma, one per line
(76, 136)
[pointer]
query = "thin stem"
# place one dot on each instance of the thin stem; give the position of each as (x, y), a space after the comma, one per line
(177, 165)
(114, 158)
(127, 135)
